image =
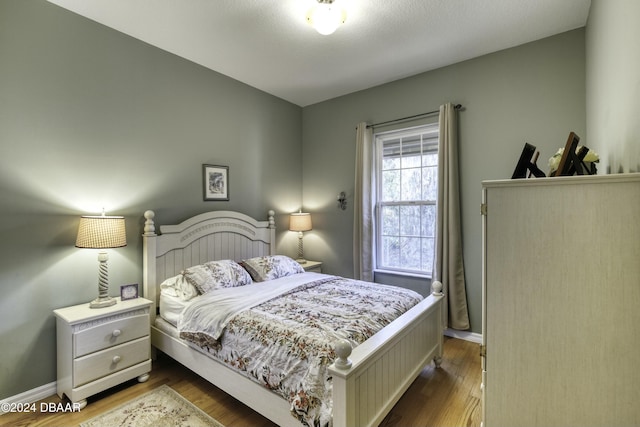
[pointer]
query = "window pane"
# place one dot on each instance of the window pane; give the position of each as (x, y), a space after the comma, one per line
(391, 251)
(391, 155)
(427, 255)
(411, 161)
(390, 220)
(410, 221)
(410, 253)
(390, 185)
(411, 188)
(430, 159)
(428, 220)
(411, 146)
(429, 183)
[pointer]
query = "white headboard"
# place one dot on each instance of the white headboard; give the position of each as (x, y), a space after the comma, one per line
(206, 237)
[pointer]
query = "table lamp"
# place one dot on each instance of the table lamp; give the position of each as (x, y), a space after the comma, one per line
(300, 221)
(102, 232)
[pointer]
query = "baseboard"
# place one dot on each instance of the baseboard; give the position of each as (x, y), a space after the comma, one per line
(29, 396)
(464, 335)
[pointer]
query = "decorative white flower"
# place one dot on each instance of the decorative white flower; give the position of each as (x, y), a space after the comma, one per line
(554, 162)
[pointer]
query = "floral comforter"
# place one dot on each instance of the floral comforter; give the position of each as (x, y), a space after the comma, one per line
(281, 333)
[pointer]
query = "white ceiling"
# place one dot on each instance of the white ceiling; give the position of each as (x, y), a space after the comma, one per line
(268, 44)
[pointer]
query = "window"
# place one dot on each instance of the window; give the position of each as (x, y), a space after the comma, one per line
(406, 193)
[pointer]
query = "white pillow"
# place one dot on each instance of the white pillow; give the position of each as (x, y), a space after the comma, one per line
(179, 286)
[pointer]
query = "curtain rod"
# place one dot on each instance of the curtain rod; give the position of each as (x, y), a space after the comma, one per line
(430, 113)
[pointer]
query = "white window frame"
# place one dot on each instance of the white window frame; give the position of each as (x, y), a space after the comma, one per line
(429, 135)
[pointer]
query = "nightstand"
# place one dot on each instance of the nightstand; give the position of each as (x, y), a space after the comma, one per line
(99, 348)
(314, 266)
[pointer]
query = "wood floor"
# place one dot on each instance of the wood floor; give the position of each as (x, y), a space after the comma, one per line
(449, 396)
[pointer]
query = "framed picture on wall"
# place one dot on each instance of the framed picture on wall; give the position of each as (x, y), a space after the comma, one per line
(215, 182)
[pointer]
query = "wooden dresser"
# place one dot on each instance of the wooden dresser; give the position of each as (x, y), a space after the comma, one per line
(99, 348)
(561, 301)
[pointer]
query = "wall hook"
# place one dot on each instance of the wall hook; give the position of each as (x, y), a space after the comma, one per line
(342, 200)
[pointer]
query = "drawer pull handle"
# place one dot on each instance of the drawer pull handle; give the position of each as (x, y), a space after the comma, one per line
(116, 332)
(116, 359)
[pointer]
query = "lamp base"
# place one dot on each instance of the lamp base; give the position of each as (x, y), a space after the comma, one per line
(102, 302)
(301, 260)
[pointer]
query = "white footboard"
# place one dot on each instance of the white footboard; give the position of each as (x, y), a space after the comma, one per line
(383, 367)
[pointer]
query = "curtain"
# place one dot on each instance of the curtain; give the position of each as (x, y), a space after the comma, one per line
(448, 266)
(363, 235)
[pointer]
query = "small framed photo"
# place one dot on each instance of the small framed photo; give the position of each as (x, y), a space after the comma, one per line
(215, 182)
(568, 155)
(129, 291)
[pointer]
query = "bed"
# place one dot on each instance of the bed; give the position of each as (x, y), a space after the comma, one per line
(366, 380)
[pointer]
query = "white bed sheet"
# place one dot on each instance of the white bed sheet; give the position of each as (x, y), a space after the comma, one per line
(171, 307)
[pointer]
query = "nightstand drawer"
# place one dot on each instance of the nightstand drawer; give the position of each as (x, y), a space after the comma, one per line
(109, 334)
(109, 361)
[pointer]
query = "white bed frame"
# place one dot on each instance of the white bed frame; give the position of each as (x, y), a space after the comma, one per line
(366, 386)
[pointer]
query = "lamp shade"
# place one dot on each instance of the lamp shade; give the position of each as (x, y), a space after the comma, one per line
(300, 221)
(101, 232)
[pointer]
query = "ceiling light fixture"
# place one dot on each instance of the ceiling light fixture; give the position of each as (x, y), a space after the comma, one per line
(326, 16)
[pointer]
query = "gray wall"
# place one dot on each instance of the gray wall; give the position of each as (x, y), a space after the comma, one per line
(91, 118)
(533, 93)
(613, 83)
